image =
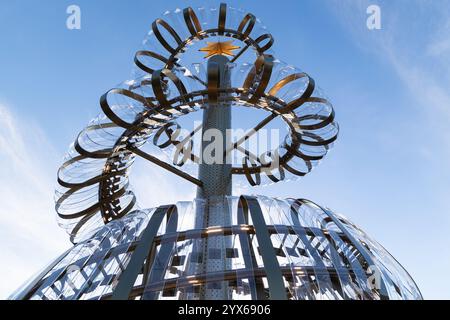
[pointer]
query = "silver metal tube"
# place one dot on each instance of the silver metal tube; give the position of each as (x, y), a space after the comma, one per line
(215, 173)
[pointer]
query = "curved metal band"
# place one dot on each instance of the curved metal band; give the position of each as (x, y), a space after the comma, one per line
(318, 140)
(268, 171)
(192, 22)
(83, 155)
(222, 18)
(108, 194)
(78, 227)
(161, 39)
(111, 209)
(321, 271)
(195, 29)
(264, 65)
(161, 260)
(290, 78)
(27, 292)
(90, 181)
(172, 135)
(297, 172)
(251, 20)
(326, 120)
(157, 80)
(263, 37)
(295, 151)
(274, 275)
(110, 113)
(367, 255)
(300, 101)
(247, 172)
(154, 55)
(93, 208)
(249, 257)
(275, 179)
(186, 153)
(99, 154)
(254, 89)
(128, 277)
(112, 171)
(118, 213)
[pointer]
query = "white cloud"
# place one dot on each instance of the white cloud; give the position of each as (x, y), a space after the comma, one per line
(414, 44)
(29, 235)
(440, 47)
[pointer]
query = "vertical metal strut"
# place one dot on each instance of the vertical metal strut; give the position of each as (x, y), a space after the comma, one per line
(215, 174)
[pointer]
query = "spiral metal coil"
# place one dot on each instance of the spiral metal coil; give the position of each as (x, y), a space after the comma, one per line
(93, 181)
(280, 249)
(219, 246)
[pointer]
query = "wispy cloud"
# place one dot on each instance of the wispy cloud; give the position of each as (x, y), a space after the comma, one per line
(418, 50)
(441, 46)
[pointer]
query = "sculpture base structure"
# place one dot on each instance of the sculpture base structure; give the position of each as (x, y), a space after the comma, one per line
(219, 246)
(279, 249)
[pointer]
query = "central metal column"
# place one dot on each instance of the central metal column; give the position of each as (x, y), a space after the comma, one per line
(215, 173)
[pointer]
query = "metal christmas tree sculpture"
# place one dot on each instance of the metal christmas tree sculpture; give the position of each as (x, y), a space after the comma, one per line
(209, 62)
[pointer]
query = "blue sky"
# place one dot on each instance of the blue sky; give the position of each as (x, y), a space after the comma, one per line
(389, 171)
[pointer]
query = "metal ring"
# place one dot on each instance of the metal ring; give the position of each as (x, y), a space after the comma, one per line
(247, 173)
(326, 120)
(263, 66)
(319, 141)
(267, 169)
(290, 78)
(192, 22)
(110, 113)
(142, 66)
(251, 20)
(88, 182)
(222, 18)
(123, 212)
(161, 39)
(296, 151)
(157, 80)
(186, 152)
(90, 210)
(171, 135)
(253, 90)
(99, 154)
(297, 172)
(268, 45)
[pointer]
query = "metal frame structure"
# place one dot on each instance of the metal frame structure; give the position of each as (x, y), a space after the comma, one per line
(282, 249)
(311, 132)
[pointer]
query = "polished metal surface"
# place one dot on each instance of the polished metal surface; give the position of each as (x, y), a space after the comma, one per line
(216, 178)
(280, 249)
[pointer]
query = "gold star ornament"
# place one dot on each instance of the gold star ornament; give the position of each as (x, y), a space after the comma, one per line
(224, 48)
